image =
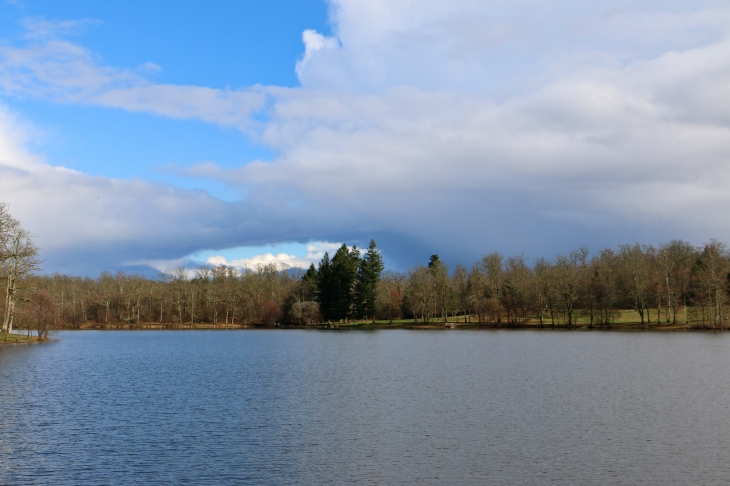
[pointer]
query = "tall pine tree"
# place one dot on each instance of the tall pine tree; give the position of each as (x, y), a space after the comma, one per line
(324, 287)
(344, 274)
(368, 275)
(311, 274)
(309, 283)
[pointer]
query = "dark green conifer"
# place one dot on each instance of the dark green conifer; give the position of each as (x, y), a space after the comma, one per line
(311, 274)
(368, 275)
(324, 287)
(309, 283)
(344, 273)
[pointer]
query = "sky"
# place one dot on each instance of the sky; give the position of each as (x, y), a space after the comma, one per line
(141, 136)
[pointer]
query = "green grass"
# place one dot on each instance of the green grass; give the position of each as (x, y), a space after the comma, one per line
(627, 318)
(17, 338)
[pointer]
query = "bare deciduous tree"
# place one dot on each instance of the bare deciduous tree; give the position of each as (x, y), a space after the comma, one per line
(18, 258)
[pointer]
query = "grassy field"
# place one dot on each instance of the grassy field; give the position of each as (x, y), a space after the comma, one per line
(623, 319)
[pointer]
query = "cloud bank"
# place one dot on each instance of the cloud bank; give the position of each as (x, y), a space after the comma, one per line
(452, 128)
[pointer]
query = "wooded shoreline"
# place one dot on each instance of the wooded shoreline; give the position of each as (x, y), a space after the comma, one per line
(369, 326)
(674, 286)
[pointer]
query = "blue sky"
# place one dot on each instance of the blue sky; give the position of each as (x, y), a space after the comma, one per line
(140, 136)
(216, 44)
(236, 43)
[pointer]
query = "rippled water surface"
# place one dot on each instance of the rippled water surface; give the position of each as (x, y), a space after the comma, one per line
(385, 407)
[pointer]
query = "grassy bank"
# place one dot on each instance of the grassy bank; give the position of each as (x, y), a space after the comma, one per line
(18, 338)
(620, 320)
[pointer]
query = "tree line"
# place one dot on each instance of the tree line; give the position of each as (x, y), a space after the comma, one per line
(345, 287)
(674, 283)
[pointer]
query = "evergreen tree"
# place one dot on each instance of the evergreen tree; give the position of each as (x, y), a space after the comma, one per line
(433, 261)
(368, 275)
(311, 274)
(344, 273)
(324, 287)
(309, 283)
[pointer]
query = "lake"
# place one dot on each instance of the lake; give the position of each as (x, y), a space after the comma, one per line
(367, 407)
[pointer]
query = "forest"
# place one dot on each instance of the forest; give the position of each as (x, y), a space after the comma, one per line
(672, 285)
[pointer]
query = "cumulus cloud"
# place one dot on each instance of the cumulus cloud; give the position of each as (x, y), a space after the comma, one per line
(315, 253)
(496, 122)
(313, 42)
(451, 127)
(497, 46)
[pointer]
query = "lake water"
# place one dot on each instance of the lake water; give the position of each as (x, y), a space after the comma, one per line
(381, 407)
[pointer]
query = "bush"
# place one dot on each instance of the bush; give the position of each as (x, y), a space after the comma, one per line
(271, 313)
(305, 313)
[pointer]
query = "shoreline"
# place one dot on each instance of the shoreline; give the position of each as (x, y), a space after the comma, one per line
(363, 326)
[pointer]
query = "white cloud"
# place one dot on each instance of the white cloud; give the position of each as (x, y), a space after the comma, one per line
(313, 42)
(497, 46)
(61, 71)
(420, 125)
(451, 127)
(40, 28)
(89, 223)
(86, 224)
(165, 266)
(150, 67)
(315, 252)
